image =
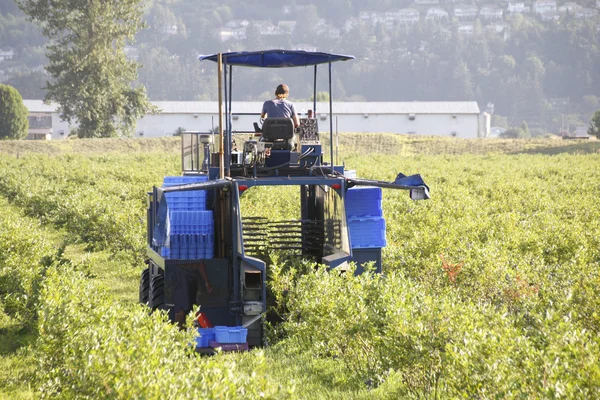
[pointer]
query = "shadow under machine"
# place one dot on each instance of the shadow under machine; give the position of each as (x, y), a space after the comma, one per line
(203, 251)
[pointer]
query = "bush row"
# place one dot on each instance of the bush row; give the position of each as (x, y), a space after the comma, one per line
(24, 255)
(100, 201)
(412, 341)
(92, 347)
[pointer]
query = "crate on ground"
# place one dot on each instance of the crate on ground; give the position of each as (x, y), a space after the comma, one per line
(206, 336)
(363, 201)
(367, 232)
(230, 334)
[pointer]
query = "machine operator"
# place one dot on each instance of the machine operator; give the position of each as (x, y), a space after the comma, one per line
(280, 106)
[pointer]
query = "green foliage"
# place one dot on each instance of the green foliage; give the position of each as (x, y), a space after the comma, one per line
(91, 75)
(99, 204)
(594, 128)
(93, 348)
(513, 133)
(489, 288)
(24, 255)
(13, 114)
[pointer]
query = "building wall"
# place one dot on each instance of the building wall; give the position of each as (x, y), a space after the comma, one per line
(464, 125)
(461, 125)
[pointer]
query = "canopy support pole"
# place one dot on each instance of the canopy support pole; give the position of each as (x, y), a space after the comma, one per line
(221, 141)
(229, 116)
(315, 93)
(330, 120)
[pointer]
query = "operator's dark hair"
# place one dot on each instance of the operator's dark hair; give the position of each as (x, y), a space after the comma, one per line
(282, 91)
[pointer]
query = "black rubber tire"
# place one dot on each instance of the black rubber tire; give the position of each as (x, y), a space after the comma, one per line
(157, 292)
(145, 286)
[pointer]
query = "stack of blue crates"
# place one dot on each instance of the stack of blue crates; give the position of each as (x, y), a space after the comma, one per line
(364, 212)
(191, 224)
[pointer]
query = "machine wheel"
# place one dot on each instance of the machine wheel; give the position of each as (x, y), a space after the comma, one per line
(145, 286)
(157, 292)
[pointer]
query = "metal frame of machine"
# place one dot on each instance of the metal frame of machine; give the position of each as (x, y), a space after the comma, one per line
(238, 295)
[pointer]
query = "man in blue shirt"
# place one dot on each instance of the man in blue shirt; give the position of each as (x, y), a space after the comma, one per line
(280, 106)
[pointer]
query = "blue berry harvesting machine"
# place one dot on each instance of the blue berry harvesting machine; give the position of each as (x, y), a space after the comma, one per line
(203, 251)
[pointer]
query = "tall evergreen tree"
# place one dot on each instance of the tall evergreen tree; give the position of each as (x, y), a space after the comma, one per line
(92, 77)
(13, 114)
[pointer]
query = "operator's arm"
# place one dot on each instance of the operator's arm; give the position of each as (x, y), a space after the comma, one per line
(263, 113)
(295, 117)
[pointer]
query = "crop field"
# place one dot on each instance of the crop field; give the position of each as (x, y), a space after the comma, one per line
(490, 289)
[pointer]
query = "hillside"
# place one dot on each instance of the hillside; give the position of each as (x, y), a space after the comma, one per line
(521, 64)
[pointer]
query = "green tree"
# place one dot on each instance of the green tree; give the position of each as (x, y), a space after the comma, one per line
(92, 78)
(13, 114)
(594, 128)
(513, 133)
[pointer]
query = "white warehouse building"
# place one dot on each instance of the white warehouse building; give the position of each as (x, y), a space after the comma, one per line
(459, 119)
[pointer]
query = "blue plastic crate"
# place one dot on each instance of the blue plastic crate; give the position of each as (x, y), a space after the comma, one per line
(165, 252)
(191, 222)
(183, 180)
(230, 334)
(186, 201)
(192, 247)
(363, 201)
(366, 233)
(206, 335)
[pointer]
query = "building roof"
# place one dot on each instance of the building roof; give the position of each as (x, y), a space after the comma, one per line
(38, 106)
(255, 107)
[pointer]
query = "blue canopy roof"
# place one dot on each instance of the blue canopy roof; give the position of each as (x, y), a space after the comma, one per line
(277, 58)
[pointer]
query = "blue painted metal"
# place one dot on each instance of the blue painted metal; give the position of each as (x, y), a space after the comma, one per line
(277, 58)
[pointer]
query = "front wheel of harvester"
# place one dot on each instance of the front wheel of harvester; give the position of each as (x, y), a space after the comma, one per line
(157, 292)
(145, 286)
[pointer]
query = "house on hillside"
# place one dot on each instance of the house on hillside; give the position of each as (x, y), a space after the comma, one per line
(497, 27)
(287, 26)
(7, 53)
(436, 13)
(514, 8)
(544, 6)
(569, 7)
(170, 30)
(550, 16)
(408, 16)
(491, 13)
(267, 28)
(465, 11)
(584, 13)
(3, 76)
(466, 28)
(131, 52)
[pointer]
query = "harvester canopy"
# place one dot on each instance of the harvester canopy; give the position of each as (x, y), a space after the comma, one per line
(277, 58)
